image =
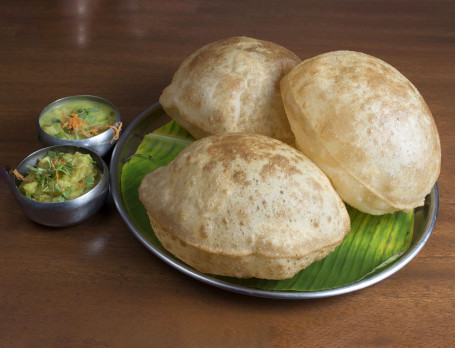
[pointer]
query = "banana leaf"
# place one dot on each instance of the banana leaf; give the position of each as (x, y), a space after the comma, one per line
(373, 243)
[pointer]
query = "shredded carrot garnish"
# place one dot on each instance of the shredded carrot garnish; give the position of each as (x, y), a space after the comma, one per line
(116, 130)
(18, 175)
(72, 123)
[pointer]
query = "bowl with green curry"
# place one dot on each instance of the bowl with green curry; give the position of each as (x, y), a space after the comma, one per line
(81, 120)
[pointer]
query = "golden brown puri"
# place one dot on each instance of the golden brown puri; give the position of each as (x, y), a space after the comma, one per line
(231, 85)
(367, 127)
(244, 205)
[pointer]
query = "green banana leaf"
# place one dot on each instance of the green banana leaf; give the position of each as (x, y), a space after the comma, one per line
(373, 243)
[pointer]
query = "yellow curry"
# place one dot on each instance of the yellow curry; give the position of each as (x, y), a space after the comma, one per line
(60, 176)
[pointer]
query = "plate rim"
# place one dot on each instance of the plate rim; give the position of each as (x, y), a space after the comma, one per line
(115, 176)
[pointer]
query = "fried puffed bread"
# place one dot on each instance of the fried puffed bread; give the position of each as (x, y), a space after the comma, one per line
(367, 127)
(231, 85)
(244, 205)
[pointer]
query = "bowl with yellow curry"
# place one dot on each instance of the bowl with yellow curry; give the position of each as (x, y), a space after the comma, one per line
(60, 186)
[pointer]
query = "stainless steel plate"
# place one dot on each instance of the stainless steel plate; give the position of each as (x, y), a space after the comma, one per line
(154, 117)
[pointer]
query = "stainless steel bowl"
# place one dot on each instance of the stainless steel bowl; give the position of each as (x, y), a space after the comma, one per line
(154, 117)
(100, 144)
(66, 213)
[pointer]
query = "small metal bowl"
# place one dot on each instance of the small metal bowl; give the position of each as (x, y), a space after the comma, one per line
(61, 214)
(101, 144)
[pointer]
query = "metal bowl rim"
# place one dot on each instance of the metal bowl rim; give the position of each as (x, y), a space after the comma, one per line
(385, 273)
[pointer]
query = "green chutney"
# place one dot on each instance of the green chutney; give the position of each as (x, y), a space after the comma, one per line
(78, 119)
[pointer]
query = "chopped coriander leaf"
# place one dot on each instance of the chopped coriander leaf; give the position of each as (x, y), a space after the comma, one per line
(78, 120)
(90, 181)
(91, 119)
(60, 176)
